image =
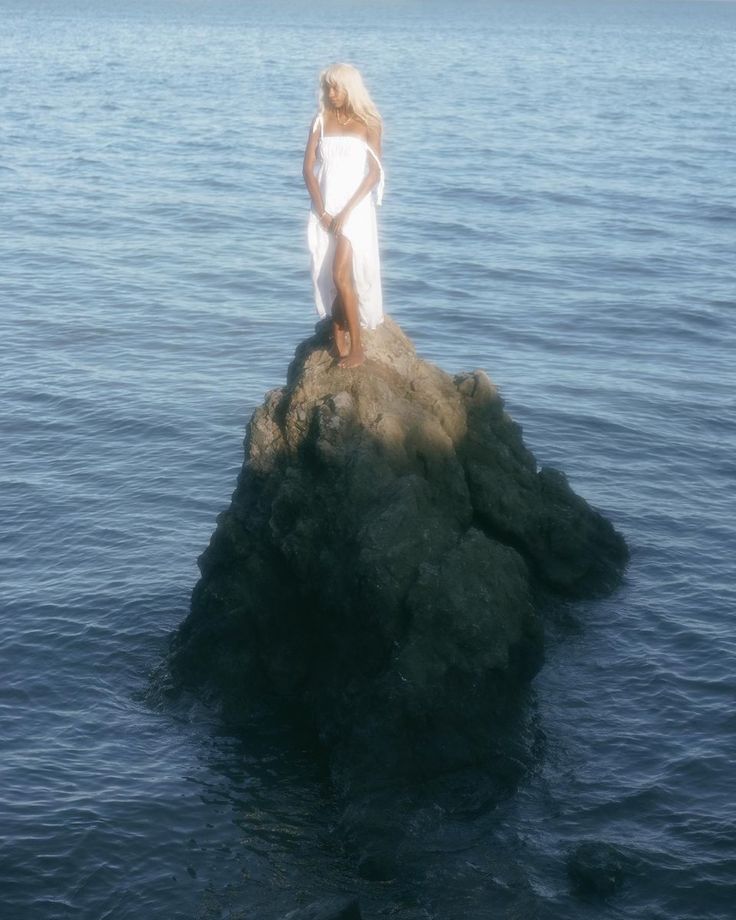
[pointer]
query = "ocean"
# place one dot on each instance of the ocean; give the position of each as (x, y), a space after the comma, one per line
(560, 210)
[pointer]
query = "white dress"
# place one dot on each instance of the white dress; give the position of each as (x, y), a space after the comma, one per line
(342, 165)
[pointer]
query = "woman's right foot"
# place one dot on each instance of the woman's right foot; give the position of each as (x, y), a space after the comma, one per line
(354, 359)
(341, 343)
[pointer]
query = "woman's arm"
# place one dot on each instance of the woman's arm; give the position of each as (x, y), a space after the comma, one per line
(315, 193)
(371, 178)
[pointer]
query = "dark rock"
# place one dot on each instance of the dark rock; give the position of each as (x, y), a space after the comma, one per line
(377, 867)
(338, 908)
(596, 869)
(378, 568)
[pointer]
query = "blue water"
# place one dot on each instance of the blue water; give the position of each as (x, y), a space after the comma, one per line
(561, 211)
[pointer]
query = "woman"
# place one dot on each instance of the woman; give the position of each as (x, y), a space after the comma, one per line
(345, 144)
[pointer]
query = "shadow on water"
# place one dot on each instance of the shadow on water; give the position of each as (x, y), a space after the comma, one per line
(436, 848)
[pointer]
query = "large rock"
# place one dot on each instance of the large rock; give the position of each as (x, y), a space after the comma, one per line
(378, 568)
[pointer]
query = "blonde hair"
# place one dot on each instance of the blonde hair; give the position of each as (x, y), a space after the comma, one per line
(358, 100)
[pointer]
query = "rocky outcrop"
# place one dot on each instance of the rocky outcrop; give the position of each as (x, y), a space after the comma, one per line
(378, 570)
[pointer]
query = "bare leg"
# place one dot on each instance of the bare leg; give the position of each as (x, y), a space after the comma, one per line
(342, 271)
(339, 328)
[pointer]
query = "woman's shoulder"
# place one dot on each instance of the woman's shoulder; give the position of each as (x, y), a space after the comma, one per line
(357, 126)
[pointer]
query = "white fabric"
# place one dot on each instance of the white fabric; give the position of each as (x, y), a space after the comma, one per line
(343, 163)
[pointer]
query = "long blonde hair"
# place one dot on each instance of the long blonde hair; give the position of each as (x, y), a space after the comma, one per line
(358, 99)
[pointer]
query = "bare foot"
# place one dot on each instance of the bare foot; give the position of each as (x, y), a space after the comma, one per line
(354, 359)
(341, 343)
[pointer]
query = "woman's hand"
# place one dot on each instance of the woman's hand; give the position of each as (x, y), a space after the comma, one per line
(339, 220)
(326, 220)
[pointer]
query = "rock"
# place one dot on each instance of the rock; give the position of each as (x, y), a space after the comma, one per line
(596, 868)
(377, 868)
(339, 908)
(378, 570)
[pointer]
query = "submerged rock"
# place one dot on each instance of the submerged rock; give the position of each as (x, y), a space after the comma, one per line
(337, 908)
(378, 568)
(596, 868)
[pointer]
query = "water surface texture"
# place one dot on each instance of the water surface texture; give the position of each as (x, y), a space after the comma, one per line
(560, 211)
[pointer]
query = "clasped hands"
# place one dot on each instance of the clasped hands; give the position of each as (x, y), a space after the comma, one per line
(334, 224)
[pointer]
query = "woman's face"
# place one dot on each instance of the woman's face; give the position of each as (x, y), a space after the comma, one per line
(336, 96)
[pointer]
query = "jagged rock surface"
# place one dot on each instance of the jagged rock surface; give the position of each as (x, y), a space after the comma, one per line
(378, 566)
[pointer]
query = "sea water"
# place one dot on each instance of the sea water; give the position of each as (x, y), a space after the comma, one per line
(560, 210)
